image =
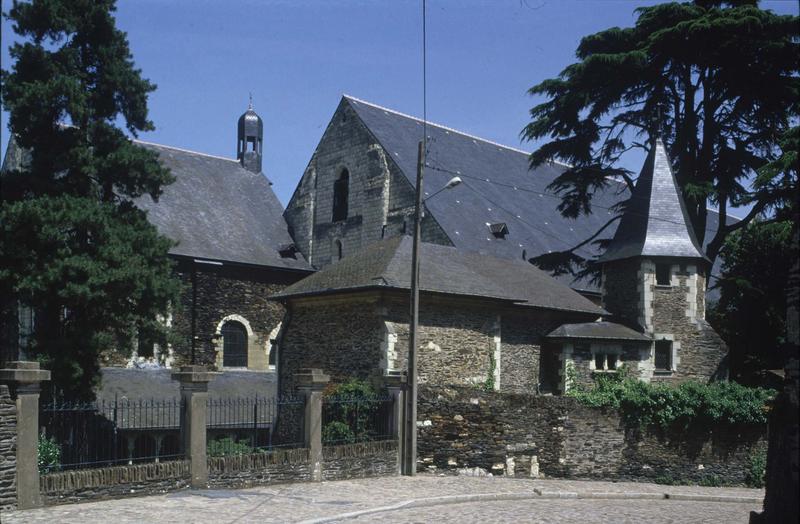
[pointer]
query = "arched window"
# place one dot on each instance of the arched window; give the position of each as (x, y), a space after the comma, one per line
(338, 249)
(341, 189)
(234, 344)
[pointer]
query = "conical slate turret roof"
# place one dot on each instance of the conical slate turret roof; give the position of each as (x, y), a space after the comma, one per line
(655, 222)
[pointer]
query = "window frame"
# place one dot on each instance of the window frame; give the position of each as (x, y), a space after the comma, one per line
(226, 354)
(670, 346)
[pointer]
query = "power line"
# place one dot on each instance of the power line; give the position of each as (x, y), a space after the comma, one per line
(549, 195)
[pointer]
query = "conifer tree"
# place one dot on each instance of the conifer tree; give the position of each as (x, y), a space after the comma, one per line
(74, 247)
(717, 80)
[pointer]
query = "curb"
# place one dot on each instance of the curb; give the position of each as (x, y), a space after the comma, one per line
(538, 493)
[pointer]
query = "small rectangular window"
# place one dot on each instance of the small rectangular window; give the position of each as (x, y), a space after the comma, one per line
(599, 361)
(663, 356)
(662, 274)
(612, 361)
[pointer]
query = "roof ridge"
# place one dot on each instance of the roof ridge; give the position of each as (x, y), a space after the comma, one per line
(145, 142)
(446, 128)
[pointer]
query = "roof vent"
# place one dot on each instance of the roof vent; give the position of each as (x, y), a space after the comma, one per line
(499, 229)
(288, 250)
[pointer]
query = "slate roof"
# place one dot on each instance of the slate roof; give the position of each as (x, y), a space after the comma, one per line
(598, 330)
(218, 210)
(443, 269)
(655, 222)
(498, 186)
(215, 209)
(146, 384)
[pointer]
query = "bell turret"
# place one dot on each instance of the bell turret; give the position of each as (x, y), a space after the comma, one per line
(250, 140)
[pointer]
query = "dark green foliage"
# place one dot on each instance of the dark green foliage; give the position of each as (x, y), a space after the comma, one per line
(751, 312)
(716, 80)
(74, 247)
(349, 411)
(677, 407)
(337, 433)
(49, 455)
(756, 474)
(227, 446)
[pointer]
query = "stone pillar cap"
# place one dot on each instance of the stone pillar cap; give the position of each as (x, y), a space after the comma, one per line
(23, 372)
(193, 374)
(311, 378)
(395, 379)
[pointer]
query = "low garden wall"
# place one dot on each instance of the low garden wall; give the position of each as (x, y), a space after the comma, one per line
(365, 459)
(274, 467)
(538, 436)
(114, 482)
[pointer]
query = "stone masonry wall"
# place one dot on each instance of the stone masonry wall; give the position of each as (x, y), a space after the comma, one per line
(341, 337)
(221, 293)
(114, 482)
(379, 194)
(258, 469)
(701, 351)
(621, 291)
(349, 336)
(8, 450)
(360, 460)
(530, 436)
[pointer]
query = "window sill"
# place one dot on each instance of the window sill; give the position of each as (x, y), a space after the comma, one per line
(663, 286)
(604, 370)
(663, 372)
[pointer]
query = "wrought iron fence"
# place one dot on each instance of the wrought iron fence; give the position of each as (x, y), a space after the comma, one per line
(244, 425)
(350, 419)
(95, 434)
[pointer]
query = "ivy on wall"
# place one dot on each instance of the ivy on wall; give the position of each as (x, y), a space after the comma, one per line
(687, 404)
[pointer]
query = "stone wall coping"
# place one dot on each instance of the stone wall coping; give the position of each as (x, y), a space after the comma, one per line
(311, 378)
(23, 372)
(395, 379)
(193, 374)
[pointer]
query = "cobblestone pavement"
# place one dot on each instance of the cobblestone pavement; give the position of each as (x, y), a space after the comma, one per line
(424, 498)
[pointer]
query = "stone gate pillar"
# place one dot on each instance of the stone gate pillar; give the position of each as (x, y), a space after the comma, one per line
(24, 380)
(194, 396)
(396, 385)
(310, 383)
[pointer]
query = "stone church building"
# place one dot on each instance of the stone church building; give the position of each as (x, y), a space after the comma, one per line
(325, 279)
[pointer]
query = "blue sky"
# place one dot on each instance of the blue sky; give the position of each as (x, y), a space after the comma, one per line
(298, 57)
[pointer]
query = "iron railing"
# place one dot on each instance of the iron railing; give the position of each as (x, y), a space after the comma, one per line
(245, 425)
(94, 434)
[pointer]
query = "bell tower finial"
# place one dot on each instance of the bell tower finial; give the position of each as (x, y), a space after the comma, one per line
(250, 138)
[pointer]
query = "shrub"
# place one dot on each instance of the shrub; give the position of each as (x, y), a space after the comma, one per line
(227, 446)
(664, 406)
(49, 455)
(349, 412)
(337, 433)
(755, 475)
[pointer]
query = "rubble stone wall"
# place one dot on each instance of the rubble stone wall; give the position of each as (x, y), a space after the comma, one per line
(542, 436)
(8, 450)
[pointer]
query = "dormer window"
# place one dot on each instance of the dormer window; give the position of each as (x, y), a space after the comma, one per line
(288, 250)
(499, 229)
(341, 188)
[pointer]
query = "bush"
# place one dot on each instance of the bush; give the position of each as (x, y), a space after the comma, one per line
(756, 473)
(227, 446)
(664, 406)
(350, 409)
(337, 433)
(49, 455)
